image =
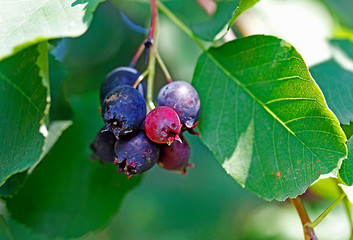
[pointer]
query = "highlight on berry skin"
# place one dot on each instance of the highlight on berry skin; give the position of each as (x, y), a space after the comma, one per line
(184, 99)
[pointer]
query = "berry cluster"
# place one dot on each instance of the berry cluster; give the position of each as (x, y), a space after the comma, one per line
(135, 141)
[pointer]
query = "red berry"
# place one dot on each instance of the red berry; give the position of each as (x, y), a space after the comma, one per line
(162, 125)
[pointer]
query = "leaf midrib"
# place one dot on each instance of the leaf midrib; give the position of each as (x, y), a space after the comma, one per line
(218, 64)
(16, 87)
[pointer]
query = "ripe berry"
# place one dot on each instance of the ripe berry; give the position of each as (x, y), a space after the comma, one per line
(176, 156)
(121, 76)
(162, 125)
(183, 98)
(135, 154)
(123, 110)
(103, 147)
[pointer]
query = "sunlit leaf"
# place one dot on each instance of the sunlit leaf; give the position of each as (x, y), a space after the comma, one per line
(264, 118)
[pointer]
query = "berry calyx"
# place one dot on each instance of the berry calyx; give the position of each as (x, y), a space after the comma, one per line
(183, 98)
(121, 76)
(162, 125)
(123, 110)
(103, 147)
(135, 154)
(176, 156)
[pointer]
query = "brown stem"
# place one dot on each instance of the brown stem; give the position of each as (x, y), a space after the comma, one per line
(137, 54)
(153, 20)
(309, 233)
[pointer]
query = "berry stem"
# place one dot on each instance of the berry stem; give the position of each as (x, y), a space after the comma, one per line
(163, 67)
(152, 38)
(348, 207)
(153, 20)
(180, 24)
(325, 213)
(137, 54)
(140, 78)
(309, 233)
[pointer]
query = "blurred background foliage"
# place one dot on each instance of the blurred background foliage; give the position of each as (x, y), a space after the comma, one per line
(206, 203)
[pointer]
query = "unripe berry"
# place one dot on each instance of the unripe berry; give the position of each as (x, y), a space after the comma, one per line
(162, 125)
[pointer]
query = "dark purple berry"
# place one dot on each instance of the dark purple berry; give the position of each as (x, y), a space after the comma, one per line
(135, 154)
(103, 147)
(183, 98)
(162, 125)
(123, 110)
(121, 76)
(176, 156)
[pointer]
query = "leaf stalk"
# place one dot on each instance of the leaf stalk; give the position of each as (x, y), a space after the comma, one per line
(309, 233)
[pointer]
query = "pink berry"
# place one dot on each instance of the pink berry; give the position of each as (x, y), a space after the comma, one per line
(162, 125)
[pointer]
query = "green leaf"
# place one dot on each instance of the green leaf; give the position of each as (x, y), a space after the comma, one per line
(342, 11)
(243, 6)
(345, 45)
(25, 23)
(13, 185)
(73, 195)
(4, 230)
(264, 118)
(336, 84)
(205, 25)
(60, 107)
(346, 171)
(18, 231)
(326, 188)
(24, 101)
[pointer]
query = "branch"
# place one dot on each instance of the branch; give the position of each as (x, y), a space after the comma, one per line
(309, 233)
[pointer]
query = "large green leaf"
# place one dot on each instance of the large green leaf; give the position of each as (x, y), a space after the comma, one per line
(337, 85)
(243, 6)
(346, 172)
(204, 25)
(23, 103)
(24, 23)
(68, 195)
(264, 118)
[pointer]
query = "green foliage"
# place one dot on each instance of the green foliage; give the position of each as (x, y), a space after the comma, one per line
(342, 11)
(243, 6)
(78, 196)
(204, 25)
(346, 172)
(272, 132)
(30, 22)
(26, 100)
(263, 117)
(336, 84)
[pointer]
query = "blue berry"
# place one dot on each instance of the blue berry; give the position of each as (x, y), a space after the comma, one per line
(183, 98)
(103, 147)
(123, 110)
(121, 76)
(135, 154)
